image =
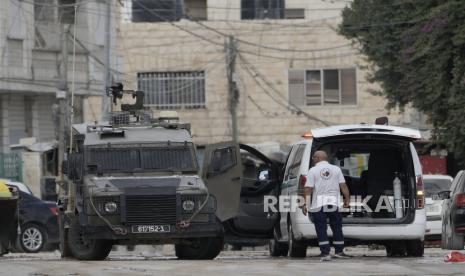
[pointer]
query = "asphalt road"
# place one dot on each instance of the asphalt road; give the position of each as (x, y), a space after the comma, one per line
(238, 263)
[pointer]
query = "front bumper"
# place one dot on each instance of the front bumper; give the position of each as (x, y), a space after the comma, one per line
(195, 230)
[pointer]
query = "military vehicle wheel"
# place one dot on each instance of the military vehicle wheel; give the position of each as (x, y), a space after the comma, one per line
(83, 248)
(63, 235)
(200, 248)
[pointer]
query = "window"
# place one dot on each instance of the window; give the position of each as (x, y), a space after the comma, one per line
(455, 182)
(44, 11)
(322, 87)
(294, 13)
(28, 116)
(67, 11)
(262, 9)
(15, 52)
(167, 90)
(295, 166)
(156, 11)
(156, 157)
(16, 20)
(223, 159)
(353, 164)
(434, 186)
(195, 9)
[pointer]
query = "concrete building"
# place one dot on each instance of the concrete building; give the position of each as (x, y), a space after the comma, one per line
(30, 64)
(32, 74)
(292, 70)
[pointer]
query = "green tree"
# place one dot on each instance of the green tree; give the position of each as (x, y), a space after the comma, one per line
(416, 51)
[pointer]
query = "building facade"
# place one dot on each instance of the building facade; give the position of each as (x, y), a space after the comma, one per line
(31, 65)
(280, 63)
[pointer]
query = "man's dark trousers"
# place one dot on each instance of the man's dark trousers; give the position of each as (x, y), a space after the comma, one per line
(320, 217)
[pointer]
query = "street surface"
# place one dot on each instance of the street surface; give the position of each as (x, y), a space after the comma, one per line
(147, 261)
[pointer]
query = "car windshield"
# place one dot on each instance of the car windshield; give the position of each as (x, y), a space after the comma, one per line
(141, 158)
(434, 186)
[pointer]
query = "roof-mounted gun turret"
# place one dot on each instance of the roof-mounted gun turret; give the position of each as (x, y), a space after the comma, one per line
(135, 114)
(137, 110)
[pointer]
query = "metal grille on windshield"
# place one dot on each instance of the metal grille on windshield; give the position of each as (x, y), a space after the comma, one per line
(143, 158)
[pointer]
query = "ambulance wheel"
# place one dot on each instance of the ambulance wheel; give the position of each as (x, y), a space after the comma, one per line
(395, 249)
(297, 249)
(83, 248)
(415, 248)
(199, 248)
(278, 249)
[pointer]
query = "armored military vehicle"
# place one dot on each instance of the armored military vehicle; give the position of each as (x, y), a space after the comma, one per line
(136, 180)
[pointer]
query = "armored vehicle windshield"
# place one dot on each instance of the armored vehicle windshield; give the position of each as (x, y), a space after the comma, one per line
(146, 157)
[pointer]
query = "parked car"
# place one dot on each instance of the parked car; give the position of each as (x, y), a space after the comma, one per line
(371, 156)
(434, 183)
(38, 221)
(453, 214)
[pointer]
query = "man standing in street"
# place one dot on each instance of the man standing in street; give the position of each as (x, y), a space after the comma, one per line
(323, 186)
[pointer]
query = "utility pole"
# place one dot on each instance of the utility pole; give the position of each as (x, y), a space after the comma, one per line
(233, 92)
(62, 97)
(107, 77)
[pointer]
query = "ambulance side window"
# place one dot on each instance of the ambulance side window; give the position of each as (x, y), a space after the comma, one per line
(290, 159)
(297, 160)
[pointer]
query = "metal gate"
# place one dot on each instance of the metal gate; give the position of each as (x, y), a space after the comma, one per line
(11, 166)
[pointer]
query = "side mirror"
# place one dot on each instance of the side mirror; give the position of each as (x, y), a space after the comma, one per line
(264, 175)
(444, 195)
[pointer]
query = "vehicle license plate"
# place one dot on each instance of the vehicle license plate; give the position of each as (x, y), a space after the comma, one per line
(432, 208)
(150, 228)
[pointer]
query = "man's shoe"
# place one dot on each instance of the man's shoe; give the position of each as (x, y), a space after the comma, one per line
(325, 258)
(342, 255)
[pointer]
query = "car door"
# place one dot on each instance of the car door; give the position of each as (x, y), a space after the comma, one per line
(458, 189)
(26, 210)
(290, 181)
(259, 185)
(447, 203)
(222, 175)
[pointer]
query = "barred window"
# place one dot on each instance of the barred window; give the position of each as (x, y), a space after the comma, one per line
(169, 90)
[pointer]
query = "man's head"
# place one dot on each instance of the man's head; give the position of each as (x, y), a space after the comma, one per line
(319, 155)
